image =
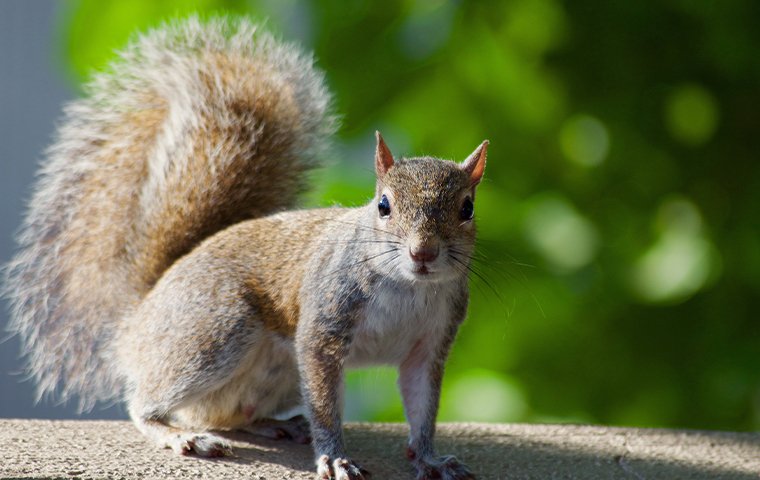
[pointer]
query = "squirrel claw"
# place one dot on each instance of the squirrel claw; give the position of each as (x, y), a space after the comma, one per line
(340, 469)
(443, 468)
(201, 444)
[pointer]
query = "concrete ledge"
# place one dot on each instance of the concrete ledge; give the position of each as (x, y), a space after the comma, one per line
(104, 449)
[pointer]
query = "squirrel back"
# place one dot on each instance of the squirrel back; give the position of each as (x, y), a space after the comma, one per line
(198, 126)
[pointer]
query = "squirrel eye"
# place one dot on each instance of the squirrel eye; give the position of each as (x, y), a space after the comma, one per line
(468, 209)
(384, 207)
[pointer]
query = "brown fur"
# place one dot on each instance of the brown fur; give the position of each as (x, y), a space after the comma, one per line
(178, 140)
(154, 263)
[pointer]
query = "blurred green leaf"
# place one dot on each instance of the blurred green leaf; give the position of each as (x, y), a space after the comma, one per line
(97, 28)
(618, 267)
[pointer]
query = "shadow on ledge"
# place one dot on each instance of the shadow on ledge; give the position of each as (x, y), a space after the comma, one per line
(104, 449)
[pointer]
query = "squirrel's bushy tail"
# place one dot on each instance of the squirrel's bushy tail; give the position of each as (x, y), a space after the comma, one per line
(199, 125)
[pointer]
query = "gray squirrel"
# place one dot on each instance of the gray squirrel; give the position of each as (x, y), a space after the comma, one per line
(162, 261)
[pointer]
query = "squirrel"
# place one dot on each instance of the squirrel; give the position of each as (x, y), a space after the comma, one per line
(163, 261)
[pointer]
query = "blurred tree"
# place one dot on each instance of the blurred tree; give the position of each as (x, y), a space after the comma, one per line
(623, 167)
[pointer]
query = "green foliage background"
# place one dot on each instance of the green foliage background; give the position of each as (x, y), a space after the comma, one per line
(619, 254)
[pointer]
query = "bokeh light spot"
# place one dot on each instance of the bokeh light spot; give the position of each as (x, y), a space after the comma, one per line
(584, 140)
(681, 260)
(563, 236)
(691, 115)
(535, 25)
(484, 396)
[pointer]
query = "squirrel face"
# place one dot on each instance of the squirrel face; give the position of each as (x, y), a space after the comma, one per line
(426, 206)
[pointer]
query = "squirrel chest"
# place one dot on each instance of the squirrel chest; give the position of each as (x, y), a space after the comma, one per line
(395, 318)
(163, 261)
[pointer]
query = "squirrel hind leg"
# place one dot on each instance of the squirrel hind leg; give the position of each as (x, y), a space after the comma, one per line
(181, 441)
(295, 429)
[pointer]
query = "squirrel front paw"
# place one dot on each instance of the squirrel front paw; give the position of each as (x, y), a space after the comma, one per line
(339, 469)
(442, 468)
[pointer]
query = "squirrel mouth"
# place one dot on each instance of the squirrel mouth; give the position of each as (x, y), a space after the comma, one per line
(421, 269)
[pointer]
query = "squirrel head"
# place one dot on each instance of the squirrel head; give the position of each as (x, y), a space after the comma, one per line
(426, 207)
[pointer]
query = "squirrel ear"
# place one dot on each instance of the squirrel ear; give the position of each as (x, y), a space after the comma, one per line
(383, 156)
(476, 163)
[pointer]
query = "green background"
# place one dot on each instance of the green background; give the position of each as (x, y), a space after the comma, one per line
(618, 273)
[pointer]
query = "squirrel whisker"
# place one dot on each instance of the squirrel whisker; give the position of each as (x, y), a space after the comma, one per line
(163, 260)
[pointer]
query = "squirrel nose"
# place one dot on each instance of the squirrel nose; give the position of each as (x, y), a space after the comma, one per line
(424, 253)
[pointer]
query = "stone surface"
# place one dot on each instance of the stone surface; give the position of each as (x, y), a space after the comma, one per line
(105, 449)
